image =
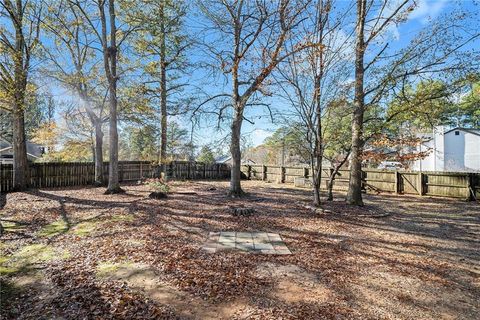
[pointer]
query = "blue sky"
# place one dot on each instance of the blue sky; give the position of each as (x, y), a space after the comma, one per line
(400, 36)
(262, 126)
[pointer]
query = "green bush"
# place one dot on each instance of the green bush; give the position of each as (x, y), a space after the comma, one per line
(158, 185)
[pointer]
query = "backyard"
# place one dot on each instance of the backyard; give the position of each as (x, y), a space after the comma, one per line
(76, 253)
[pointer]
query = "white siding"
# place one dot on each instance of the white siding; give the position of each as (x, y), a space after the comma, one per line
(428, 163)
(472, 152)
(451, 152)
(455, 151)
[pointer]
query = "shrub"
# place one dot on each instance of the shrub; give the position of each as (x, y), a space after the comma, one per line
(158, 185)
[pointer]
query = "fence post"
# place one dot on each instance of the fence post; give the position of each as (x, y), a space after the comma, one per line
(475, 184)
(396, 187)
(264, 172)
(120, 171)
(204, 171)
(282, 174)
(420, 184)
(469, 187)
(364, 179)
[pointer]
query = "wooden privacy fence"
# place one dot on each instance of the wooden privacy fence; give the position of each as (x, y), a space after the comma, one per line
(63, 174)
(197, 170)
(444, 184)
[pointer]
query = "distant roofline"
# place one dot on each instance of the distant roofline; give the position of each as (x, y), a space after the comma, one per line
(28, 143)
(469, 130)
(28, 153)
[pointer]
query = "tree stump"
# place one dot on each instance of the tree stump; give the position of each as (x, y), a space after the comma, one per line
(157, 195)
(242, 211)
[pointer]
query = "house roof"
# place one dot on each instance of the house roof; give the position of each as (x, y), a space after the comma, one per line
(223, 159)
(33, 150)
(469, 130)
(228, 158)
(429, 135)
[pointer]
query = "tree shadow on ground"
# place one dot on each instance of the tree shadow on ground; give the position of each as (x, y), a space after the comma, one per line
(418, 244)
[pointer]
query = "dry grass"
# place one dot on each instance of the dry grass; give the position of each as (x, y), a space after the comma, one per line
(128, 256)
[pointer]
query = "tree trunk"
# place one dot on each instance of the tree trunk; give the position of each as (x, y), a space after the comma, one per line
(163, 142)
(113, 181)
(331, 181)
(317, 180)
(235, 187)
(354, 195)
(316, 190)
(19, 143)
(333, 175)
(330, 188)
(317, 94)
(111, 63)
(163, 96)
(317, 168)
(98, 154)
(20, 161)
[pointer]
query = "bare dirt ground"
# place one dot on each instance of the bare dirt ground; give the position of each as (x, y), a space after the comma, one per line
(78, 254)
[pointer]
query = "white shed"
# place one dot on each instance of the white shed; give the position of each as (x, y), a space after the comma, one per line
(457, 149)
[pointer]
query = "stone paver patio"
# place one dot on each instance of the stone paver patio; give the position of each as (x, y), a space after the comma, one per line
(254, 242)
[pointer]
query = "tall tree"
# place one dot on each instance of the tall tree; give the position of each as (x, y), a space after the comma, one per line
(103, 14)
(206, 155)
(253, 35)
(18, 42)
(180, 145)
(380, 71)
(316, 77)
(141, 142)
(73, 63)
(110, 56)
(161, 42)
(468, 108)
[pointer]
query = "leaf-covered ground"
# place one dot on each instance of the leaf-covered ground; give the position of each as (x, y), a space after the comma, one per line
(78, 254)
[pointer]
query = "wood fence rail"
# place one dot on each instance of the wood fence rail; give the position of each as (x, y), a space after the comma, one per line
(444, 184)
(63, 174)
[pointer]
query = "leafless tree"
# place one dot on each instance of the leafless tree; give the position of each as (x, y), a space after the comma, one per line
(316, 77)
(381, 71)
(162, 45)
(74, 64)
(104, 25)
(249, 47)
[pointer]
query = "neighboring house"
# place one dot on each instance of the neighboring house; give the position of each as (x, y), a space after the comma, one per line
(34, 151)
(457, 149)
(224, 159)
(228, 160)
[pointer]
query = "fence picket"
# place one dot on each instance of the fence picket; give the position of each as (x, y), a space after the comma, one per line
(58, 174)
(445, 184)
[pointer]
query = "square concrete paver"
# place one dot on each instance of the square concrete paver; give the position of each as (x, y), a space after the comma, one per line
(254, 242)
